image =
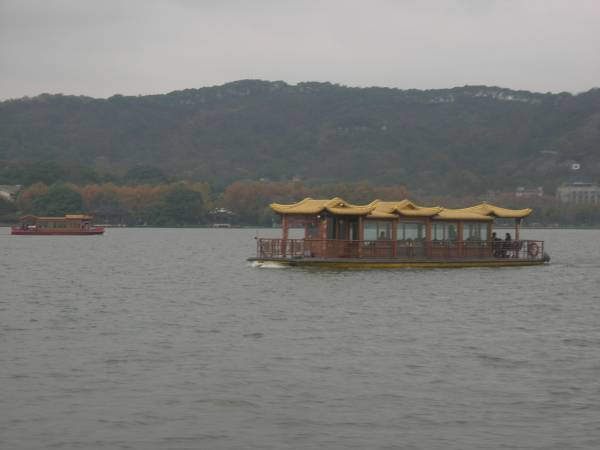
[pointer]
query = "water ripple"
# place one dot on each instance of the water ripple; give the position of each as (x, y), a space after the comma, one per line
(154, 339)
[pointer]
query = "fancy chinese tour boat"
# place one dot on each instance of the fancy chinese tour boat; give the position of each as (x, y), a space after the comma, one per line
(71, 225)
(401, 234)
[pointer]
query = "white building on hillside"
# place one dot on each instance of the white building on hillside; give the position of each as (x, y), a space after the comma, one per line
(579, 193)
(8, 192)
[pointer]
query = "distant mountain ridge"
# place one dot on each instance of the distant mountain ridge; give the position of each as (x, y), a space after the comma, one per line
(460, 140)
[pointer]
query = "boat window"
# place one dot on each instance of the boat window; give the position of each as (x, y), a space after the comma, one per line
(387, 230)
(330, 228)
(475, 231)
(485, 231)
(312, 231)
(370, 230)
(438, 232)
(444, 231)
(410, 231)
(342, 229)
(377, 230)
(353, 231)
(452, 232)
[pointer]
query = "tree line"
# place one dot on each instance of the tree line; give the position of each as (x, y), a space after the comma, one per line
(192, 203)
(172, 204)
(179, 203)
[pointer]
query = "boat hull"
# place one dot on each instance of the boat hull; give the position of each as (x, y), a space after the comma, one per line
(38, 232)
(396, 264)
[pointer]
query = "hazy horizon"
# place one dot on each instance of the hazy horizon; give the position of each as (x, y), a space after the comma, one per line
(100, 49)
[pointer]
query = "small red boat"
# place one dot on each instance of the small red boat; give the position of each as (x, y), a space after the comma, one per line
(69, 225)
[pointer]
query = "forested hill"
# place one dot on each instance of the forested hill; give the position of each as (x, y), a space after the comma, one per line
(461, 140)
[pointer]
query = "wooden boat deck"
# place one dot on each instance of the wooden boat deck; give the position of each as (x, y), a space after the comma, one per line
(384, 254)
(370, 263)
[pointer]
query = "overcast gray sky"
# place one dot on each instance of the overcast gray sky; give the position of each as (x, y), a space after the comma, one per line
(103, 47)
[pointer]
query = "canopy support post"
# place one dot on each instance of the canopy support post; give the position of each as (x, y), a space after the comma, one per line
(361, 235)
(394, 237)
(285, 232)
(460, 237)
(428, 237)
(323, 234)
(518, 229)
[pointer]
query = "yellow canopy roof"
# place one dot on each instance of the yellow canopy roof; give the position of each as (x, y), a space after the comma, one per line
(421, 212)
(381, 215)
(66, 217)
(457, 214)
(404, 208)
(488, 209)
(378, 209)
(311, 206)
(391, 207)
(78, 216)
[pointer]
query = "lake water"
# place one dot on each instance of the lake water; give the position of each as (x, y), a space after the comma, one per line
(167, 339)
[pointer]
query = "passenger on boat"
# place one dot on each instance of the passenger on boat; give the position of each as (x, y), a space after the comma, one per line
(507, 246)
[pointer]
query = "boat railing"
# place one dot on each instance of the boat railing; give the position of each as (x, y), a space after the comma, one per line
(406, 249)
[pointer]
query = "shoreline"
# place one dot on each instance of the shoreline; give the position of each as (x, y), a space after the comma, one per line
(501, 227)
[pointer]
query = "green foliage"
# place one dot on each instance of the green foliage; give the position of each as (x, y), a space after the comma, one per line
(48, 172)
(250, 200)
(454, 141)
(31, 172)
(106, 207)
(145, 175)
(6, 207)
(8, 211)
(181, 206)
(58, 201)
(187, 204)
